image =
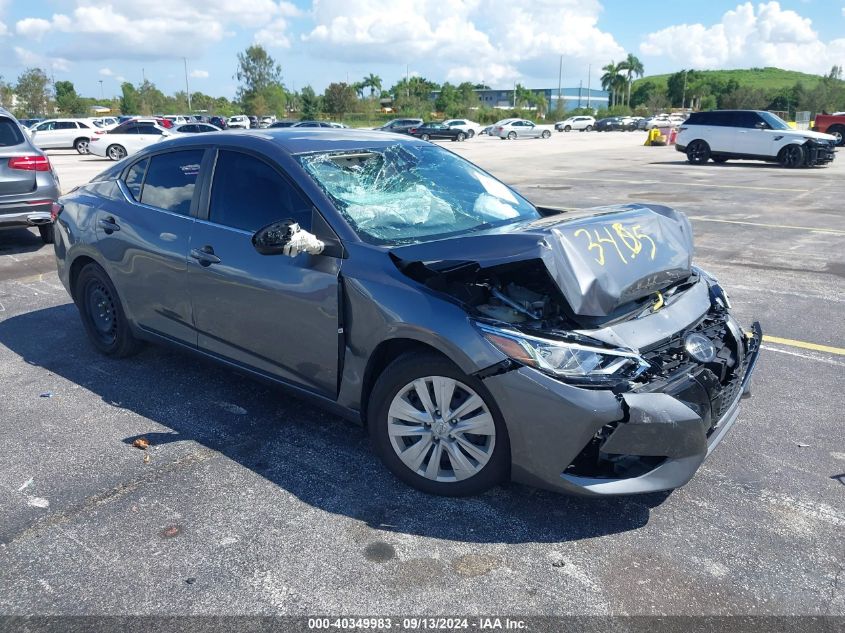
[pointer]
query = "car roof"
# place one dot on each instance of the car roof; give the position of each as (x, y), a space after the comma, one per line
(303, 140)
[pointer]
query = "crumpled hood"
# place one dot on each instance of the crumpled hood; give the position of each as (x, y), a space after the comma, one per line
(820, 136)
(600, 261)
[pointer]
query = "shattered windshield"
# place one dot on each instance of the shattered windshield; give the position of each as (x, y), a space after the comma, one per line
(403, 194)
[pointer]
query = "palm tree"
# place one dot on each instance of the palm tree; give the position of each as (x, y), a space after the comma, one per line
(359, 86)
(633, 67)
(373, 82)
(610, 80)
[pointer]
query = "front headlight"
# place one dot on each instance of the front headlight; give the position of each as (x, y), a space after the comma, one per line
(573, 362)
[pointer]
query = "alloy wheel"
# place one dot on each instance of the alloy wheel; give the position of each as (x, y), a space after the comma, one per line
(441, 429)
(116, 152)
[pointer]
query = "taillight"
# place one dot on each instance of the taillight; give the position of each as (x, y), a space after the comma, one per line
(56, 210)
(30, 163)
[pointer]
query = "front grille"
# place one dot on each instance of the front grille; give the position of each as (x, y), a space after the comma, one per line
(670, 357)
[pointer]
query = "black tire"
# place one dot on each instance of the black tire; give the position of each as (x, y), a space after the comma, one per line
(589, 128)
(511, 136)
(116, 152)
(839, 132)
(545, 134)
(424, 137)
(471, 134)
(791, 156)
(396, 377)
(102, 313)
(698, 152)
(46, 232)
(461, 137)
(567, 128)
(81, 145)
(719, 159)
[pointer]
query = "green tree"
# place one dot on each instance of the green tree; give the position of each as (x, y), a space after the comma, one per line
(33, 93)
(613, 81)
(373, 82)
(311, 103)
(632, 67)
(130, 102)
(259, 75)
(6, 92)
(339, 98)
(67, 101)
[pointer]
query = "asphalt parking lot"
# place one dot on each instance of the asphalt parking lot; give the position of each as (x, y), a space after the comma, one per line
(254, 502)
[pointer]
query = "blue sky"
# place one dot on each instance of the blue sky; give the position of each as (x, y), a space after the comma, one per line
(320, 41)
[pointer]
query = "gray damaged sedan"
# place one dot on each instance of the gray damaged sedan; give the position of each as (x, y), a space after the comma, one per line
(478, 337)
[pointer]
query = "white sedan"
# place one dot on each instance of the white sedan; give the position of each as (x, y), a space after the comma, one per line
(521, 128)
(470, 128)
(128, 138)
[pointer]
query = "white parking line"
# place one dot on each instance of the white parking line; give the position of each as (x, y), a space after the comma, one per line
(813, 229)
(682, 184)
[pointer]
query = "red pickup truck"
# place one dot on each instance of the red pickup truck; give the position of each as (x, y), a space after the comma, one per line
(833, 124)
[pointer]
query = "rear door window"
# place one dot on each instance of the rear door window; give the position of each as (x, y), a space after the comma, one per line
(171, 179)
(249, 194)
(10, 133)
(65, 125)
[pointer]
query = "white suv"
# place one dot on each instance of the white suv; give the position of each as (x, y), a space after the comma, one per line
(722, 135)
(582, 123)
(239, 121)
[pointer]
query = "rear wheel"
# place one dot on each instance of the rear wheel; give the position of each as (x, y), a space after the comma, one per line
(567, 128)
(546, 134)
(461, 136)
(424, 137)
(81, 145)
(436, 428)
(102, 314)
(471, 134)
(511, 136)
(698, 152)
(116, 152)
(589, 128)
(791, 156)
(46, 232)
(837, 131)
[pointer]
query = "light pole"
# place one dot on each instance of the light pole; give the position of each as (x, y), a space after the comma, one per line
(101, 90)
(559, 78)
(187, 88)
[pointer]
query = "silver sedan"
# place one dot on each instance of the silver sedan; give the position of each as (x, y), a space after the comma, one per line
(521, 128)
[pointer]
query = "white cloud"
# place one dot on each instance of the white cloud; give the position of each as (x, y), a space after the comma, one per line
(30, 59)
(128, 29)
(489, 40)
(35, 28)
(3, 29)
(106, 72)
(749, 35)
(199, 74)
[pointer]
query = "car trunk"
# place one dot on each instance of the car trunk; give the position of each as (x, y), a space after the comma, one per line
(13, 182)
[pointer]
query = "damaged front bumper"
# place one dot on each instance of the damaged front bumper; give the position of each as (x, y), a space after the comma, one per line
(651, 438)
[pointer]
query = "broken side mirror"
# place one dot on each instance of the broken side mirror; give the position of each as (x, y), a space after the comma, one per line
(285, 237)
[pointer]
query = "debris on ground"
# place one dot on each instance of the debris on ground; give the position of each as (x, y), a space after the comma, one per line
(142, 442)
(46, 394)
(800, 445)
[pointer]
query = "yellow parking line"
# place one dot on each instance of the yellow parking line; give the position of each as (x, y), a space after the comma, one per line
(804, 345)
(770, 226)
(678, 184)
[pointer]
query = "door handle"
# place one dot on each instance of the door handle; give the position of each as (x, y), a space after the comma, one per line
(205, 256)
(109, 225)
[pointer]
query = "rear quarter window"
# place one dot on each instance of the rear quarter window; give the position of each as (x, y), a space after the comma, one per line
(10, 133)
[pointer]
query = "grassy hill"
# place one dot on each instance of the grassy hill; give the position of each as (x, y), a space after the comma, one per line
(763, 78)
